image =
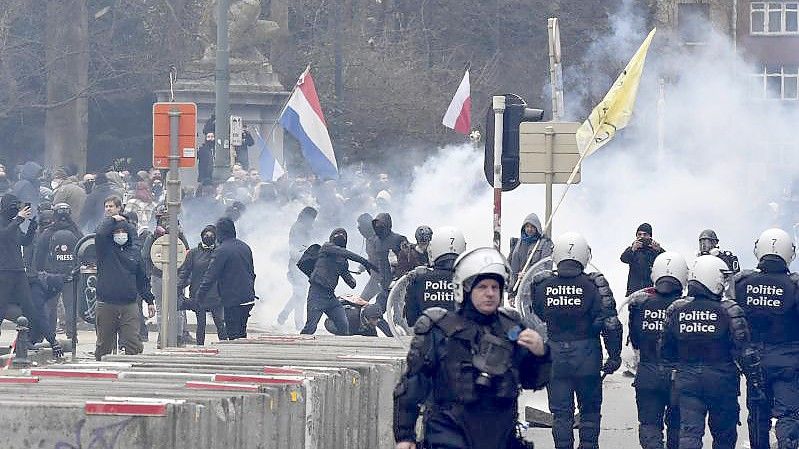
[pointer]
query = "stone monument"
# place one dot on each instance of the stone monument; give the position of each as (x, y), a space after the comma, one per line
(255, 91)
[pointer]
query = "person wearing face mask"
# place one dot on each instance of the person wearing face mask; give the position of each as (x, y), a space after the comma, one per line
(231, 273)
(388, 246)
(121, 280)
(709, 244)
(14, 285)
(578, 309)
(653, 376)
(190, 275)
(331, 264)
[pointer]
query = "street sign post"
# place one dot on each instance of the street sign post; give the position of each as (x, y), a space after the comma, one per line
(174, 135)
(548, 154)
(187, 134)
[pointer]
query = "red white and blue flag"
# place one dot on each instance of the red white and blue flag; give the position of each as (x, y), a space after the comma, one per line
(459, 112)
(270, 167)
(304, 120)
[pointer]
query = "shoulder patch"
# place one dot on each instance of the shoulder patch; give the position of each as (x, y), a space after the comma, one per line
(732, 308)
(510, 314)
(741, 275)
(542, 276)
(641, 296)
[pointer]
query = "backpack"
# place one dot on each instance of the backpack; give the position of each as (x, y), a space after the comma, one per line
(307, 261)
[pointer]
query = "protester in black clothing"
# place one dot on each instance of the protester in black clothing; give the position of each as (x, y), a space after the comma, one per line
(299, 239)
(331, 264)
(388, 246)
(362, 320)
(242, 151)
(45, 288)
(190, 275)
(121, 280)
(14, 286)
(232, 272)
(205, 159)
(640, 256)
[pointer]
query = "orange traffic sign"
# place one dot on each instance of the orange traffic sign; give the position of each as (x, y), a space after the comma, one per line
(187, 134)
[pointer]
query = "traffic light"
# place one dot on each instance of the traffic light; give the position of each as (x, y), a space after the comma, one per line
(516, 112)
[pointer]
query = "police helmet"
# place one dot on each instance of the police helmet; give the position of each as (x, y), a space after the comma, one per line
(709, 271)
(479, 261)
(777, 242)
(671, 264)
(446, 240)
(62, 210)
(571, 246)
(708, 234)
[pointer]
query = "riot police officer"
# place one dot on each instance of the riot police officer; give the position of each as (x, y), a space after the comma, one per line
(432, 287)
(653, 377)
(769, 295)
(709, 244)
(577, 308)
(54, 254)
(466, 366)
(705, 336)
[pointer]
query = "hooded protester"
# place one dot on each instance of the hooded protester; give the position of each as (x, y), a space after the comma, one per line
(27, 189)
(299, 239)
(67, 190)
(205, 159)
(121, 280)
(520, 252)
(388, 242)
(231, 272)
(14, 286)
(190, 275)
(372, 288)
(362, 320)
(331, 264)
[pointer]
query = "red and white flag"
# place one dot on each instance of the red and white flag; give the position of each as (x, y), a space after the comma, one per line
(459, 112)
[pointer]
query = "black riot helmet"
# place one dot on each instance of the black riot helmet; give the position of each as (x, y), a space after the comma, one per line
(423, 234)
(62, 211)
(707, 241)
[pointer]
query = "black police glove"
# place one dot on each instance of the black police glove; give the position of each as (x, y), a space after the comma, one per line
(611, 365)
(58, 351)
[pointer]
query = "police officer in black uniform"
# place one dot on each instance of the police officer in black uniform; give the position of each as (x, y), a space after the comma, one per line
(709, 244)
(705, 336)
(769, 295)
(577, 308)
(432, 287)
(653, 377)
(466, 366)
(54, 255)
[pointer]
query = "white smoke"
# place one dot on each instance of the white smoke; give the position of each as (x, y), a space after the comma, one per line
(724, 162)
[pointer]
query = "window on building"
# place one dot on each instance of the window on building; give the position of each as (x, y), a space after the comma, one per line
(693, 22)
(774, 18)
(776, 82)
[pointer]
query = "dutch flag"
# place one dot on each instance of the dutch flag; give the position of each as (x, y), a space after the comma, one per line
(304, 120)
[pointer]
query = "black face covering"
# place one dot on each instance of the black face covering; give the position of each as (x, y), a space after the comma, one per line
(339, 239)
(209, 239)
(668, 285)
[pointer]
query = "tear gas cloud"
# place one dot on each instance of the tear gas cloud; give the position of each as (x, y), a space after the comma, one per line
(725, 160)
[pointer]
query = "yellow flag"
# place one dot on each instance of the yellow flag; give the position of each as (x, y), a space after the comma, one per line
(614, 111)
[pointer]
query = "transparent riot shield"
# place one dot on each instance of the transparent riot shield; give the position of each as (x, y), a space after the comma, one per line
(86, 281)
(395, 313)
(524, 297)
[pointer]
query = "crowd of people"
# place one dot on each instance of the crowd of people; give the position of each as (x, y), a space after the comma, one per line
(696, 327)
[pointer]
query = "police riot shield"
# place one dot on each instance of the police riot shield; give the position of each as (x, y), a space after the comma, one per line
(395, 313)
(86, 279)
(524, 297)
